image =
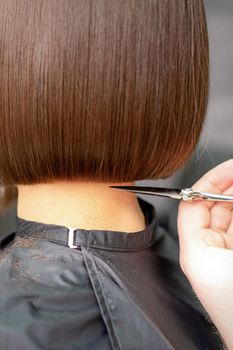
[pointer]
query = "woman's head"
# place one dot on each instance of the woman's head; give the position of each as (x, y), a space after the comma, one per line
(100, 90)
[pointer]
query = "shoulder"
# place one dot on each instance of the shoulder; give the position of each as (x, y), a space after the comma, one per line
(166, 244)
(167, 247)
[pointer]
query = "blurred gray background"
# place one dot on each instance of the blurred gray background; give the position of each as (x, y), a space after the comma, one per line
(216, 143)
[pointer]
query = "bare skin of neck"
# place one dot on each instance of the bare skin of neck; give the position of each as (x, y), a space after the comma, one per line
(84, 205)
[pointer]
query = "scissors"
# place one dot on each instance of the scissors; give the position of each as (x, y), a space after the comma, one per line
(186, 194)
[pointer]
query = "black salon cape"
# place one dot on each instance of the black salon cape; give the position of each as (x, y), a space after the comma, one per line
(117, 290)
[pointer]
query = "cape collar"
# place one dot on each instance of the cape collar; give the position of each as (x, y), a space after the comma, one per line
(99, 239)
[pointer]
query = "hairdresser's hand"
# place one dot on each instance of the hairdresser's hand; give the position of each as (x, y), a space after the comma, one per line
(206, 248)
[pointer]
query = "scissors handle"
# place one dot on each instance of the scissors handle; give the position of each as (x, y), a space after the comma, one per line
(212, 196)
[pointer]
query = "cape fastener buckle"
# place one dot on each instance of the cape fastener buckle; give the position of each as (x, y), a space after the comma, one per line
(70, 242)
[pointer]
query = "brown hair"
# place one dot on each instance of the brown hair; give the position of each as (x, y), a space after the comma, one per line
(100, 90)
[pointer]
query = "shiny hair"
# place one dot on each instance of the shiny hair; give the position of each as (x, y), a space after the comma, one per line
(99, 90)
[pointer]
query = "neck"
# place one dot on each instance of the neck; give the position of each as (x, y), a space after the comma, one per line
(84, 205)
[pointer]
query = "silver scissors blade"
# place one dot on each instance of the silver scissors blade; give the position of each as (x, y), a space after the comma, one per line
(186, 194)
(155, 191)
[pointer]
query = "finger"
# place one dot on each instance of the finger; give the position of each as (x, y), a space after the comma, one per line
(230, 228)
(192, 217)
(221, 218)
(217, 180)
(226, 205)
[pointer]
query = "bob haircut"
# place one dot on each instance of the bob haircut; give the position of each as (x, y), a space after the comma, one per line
(100, 90)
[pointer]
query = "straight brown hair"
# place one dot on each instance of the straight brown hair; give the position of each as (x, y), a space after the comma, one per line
(100, 90)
